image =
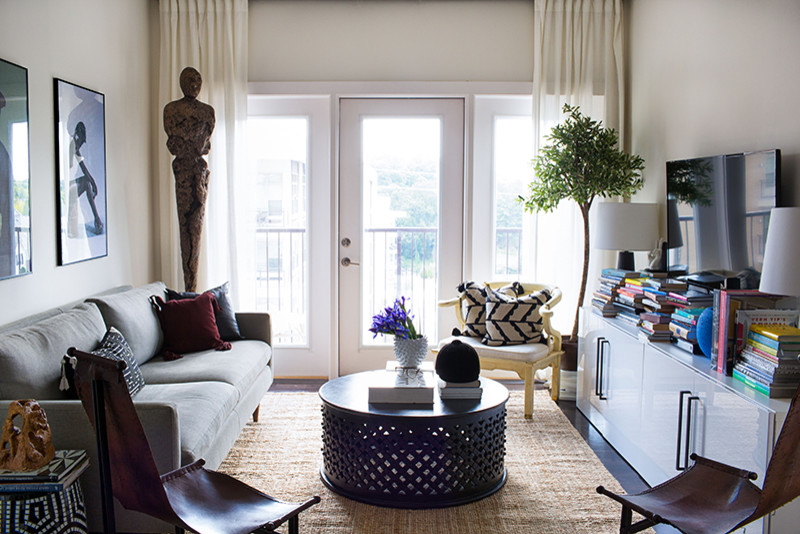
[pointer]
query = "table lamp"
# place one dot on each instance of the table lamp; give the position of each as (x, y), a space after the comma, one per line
(625, 226)
(780, 274)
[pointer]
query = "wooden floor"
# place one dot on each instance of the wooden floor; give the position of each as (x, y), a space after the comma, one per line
(616, 465)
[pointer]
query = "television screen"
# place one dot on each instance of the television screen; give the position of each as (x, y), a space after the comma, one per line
(718, 212)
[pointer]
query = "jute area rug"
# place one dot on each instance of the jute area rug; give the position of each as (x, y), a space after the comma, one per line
(552, 475)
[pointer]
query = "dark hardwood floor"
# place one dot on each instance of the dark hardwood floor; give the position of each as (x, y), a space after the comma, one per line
(616, 465)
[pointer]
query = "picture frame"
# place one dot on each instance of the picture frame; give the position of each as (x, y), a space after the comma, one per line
(15, 202)
(81, 172)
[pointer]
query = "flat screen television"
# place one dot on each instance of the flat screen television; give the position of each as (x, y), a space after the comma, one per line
(718, 211)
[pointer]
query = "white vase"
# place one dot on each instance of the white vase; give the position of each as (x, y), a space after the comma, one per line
(410, 352)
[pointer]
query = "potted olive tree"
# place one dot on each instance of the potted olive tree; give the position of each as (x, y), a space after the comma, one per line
(581, 162)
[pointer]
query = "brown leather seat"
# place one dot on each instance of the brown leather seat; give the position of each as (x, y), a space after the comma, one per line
(711, 497)
(191, 497)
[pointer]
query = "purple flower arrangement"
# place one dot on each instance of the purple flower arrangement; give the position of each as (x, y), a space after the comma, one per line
(395, 321)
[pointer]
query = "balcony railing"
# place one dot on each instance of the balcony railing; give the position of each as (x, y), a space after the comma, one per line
(395, 261)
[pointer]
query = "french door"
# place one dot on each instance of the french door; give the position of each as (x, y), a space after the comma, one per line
(401, 191)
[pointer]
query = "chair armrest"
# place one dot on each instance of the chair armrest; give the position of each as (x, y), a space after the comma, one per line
(449, 302)
(553, 335)
(72, 429)
(255, 325)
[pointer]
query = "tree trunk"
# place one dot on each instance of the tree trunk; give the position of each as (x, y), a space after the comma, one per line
(585, 273)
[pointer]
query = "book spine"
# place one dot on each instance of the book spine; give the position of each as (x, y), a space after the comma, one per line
(764, 340)
(750, 382)
(715, 330)
(41, 487)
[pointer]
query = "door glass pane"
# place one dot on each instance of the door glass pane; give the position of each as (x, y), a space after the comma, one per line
(401, 164)
(513, 150)
(278, 153)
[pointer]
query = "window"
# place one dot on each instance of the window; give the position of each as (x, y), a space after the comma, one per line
(278, 153)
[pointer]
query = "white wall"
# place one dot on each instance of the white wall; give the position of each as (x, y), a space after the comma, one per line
(712, 77)
(399, 40)
(104, 46)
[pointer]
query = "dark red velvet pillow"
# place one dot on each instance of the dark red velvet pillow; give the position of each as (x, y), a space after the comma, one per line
(189, 325)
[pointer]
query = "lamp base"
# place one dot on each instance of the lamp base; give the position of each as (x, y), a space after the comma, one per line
(625, 261)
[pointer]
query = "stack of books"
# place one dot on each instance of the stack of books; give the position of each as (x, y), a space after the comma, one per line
(605, 299)
(655, 327)
(460, 390)
(56, 475)
(683, 325)
(403, 386)
(769, 361)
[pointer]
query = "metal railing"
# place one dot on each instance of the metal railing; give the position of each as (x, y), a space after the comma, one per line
(508, 245)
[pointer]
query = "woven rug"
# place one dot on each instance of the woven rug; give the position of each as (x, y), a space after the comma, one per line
(552, 475)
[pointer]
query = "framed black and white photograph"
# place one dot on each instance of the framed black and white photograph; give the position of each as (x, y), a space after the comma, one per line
(81, 162)
(15, 198)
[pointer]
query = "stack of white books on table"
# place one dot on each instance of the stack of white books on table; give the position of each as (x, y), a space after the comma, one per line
(460, 390)
(403, 386)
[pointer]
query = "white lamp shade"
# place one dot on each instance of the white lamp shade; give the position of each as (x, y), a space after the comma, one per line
(626, 226)
(780, 274)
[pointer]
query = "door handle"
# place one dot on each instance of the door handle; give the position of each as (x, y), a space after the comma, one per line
(346, 262)
(680, 432)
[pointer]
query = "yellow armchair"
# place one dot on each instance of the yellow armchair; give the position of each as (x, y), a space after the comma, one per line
(524, 359)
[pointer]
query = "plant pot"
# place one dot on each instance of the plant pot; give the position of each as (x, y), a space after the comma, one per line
(410, 352)
(569, 360)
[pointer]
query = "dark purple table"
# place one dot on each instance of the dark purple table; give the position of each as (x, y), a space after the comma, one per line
(408, 455)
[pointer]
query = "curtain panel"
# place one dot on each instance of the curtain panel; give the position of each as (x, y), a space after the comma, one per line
(578, 60)
(211, 36)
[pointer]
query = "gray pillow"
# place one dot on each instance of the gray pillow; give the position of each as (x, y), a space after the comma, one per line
(30, 357)
(131, 313)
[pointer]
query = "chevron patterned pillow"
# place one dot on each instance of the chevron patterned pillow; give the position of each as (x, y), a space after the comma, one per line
(474, 305)
(513, 320)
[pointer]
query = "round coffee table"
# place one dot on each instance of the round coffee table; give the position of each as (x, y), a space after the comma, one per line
(412, 455)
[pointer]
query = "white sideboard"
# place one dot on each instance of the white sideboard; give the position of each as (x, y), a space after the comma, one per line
(656, 404)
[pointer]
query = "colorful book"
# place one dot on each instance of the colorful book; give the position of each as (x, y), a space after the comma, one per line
(60, 466)
(782, 333)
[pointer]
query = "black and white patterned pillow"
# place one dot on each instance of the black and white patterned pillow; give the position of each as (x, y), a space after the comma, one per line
(114, 347)
(474, 305)
(513, 320)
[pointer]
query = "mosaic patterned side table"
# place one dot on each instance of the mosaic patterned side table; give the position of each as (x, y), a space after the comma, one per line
(412, 456)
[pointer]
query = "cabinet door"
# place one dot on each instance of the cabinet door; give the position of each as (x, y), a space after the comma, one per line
(610, 378)
(732, 430)
(667, 386)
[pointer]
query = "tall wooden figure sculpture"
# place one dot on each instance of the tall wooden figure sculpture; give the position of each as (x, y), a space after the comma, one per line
(189, 123)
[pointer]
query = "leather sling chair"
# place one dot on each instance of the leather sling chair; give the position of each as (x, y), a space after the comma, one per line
(191, 497)
(712, 497)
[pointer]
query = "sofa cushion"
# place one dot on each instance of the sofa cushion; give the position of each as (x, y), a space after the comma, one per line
(189, 325)
(30, 357)
(131, 313)
(239, 367)
(203, 408)
(114, 347)
(224, 315)
(514, 320)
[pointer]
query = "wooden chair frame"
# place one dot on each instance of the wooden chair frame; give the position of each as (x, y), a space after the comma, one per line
(525, 370)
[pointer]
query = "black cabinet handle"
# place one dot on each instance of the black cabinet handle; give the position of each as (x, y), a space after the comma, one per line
(597, 364)
(604, 343)
(688, 436)
(680, 431)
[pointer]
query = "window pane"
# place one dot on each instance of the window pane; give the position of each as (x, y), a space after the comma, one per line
(400, 184)
(278, 153)
(513, 151)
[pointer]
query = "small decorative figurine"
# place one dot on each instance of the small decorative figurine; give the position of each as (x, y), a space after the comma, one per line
(458, 362)
(29, 447)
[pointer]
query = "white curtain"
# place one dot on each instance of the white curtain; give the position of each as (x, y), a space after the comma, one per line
(578, 60)
(211, 36)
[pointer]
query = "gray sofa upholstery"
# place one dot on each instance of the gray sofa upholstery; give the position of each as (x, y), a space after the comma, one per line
(191, 408)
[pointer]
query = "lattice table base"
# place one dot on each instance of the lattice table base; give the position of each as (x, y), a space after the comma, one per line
(414, 462)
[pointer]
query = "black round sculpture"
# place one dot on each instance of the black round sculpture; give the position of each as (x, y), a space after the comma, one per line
(458, 362)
